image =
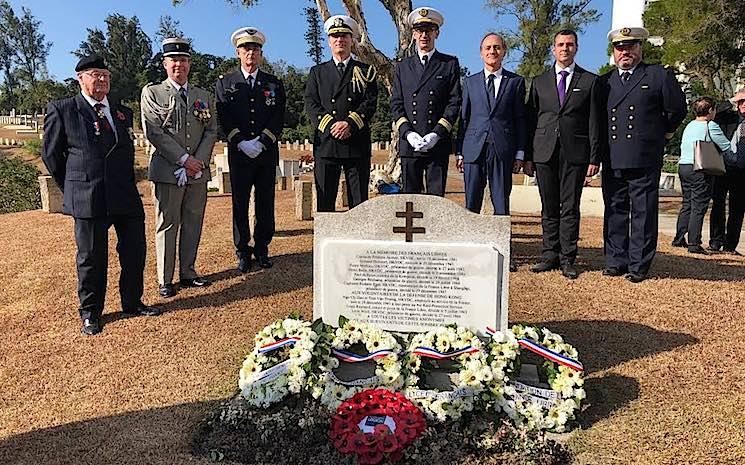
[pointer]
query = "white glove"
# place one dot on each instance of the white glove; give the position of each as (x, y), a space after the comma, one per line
(415, 141)
(252, 147)
(245, 146)
(430, 140)
(180, 176)
(198, 175)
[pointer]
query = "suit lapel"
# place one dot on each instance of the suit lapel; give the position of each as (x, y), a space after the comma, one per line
(345, 78)
(90, 119)
(502, 89)
(432, 68)
(479, 82)
(624, 90)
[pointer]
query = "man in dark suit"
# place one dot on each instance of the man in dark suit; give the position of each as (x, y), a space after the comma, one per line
(565, 107)
(425, 101)
(725, 227)
(250, 110)
(340, 98)
(88, 149)
(645, 105)
(492, 132)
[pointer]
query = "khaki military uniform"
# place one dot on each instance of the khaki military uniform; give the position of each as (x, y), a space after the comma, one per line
(176, 128)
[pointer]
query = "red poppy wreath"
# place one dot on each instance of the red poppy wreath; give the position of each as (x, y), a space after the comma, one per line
(375, 425)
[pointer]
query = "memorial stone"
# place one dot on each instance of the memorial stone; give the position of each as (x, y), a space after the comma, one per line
(410, 263)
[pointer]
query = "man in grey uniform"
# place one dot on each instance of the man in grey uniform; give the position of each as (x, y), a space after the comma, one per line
(179, 121)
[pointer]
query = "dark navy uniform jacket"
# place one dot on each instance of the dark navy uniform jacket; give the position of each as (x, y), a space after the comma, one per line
(352, 97)
(639, 114)
(245, 113)
(96, 179)
(426, 100)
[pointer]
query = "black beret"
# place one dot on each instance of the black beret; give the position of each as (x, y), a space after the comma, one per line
(90, 61)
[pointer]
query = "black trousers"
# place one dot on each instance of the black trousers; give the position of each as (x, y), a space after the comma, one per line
(725, 227)
(497, 172)
(92, 239)
(631, 198)
(414, 170)
(261, 178)
(326, 173)
(696, 187)
(560, 184)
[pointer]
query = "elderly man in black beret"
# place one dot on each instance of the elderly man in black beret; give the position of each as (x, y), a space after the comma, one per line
(88, 149)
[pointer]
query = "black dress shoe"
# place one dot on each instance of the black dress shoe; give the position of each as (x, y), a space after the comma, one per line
(732, 252)
(142, 310)
(697, 249)
(570, 271)
(167, 290)
(244, 264)
(679, 243)
(90, 327)
(195, 282)
(263, 261)
(636, 277)
(614, 271)
(542, 266)
(714, 248)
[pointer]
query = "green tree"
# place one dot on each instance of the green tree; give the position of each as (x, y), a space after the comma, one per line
(313, 34)
(538, 21)
(703, 40)
(127, 51)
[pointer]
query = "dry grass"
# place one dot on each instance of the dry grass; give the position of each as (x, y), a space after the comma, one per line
(665, 358)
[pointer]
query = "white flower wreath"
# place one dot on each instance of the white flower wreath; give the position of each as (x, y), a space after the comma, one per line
(534, 407)
(279, 363)
(462, 347)
(381, 347)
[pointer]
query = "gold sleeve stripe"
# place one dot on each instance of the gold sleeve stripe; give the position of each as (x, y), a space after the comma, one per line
(357, 119)
(233, 133)
(446, 124)
(270, 135)
(401, 121)
(325, 122)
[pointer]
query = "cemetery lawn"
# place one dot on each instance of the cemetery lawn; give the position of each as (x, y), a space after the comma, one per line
(664, 358)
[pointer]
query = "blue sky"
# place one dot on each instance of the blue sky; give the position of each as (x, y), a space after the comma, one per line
(210, 23)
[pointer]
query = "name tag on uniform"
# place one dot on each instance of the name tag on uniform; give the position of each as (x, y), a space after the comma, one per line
(645, 86)
(576, 90)
(438, 77)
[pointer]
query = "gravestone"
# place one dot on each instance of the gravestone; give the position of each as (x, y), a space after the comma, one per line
(410, 263)
(51, 195)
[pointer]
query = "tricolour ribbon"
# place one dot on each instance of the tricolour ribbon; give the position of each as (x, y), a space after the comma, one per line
(351, 357)
(277, 344)
(490, 331)
(432, 353)
(550, 354)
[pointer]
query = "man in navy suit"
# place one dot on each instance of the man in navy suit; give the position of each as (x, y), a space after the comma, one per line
(88, 149)
(645, 105)
(424, 104)
(565, 107)
(492, 132)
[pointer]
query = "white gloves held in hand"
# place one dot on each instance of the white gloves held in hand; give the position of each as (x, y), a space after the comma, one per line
(252, 148)
(181, 177)
(422, 144)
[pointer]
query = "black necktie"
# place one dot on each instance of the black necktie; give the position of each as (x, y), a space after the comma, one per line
(490, 89)
(625, 76)
(425, 60)
(182, 93)
(340, 67)
(250, 81)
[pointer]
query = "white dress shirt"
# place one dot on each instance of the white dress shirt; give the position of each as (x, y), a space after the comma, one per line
(253, 75)
(497, 79)
(423, 54)
(346, 62)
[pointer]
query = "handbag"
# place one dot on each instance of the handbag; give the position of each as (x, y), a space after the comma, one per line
(706, 156)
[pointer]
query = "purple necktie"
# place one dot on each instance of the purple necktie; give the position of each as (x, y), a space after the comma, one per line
(562, 86)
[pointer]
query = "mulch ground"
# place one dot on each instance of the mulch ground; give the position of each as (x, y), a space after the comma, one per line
(664, 358)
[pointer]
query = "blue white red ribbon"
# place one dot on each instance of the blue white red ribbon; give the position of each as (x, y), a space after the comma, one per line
(490, 331)
(351, 357)
(432, 353)
(278, 344)
(550, 354)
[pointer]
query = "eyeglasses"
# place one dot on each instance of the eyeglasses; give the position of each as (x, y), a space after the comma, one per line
(98, 74)
(425, 30)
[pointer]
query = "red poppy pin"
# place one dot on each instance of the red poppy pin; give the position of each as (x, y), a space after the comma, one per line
(120, 116)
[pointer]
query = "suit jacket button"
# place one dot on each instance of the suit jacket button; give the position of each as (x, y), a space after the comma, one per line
(414, 122)
(414, 94)
(631, 126)
(188, 123)
(252, 121)
(430, 102)
(613, 136)
(628, 136)
(612, 110)
(252, 100)
(431, 92)
(612, 128)
(413, 103)
(429, 121)
(631, 117)
(188, 136)
(612, 118)
(188, 148)
(333, 101)
(333, 112)
(413, 112)
(349, 99)
(631, 107)
(252, 110)
(430, 112)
